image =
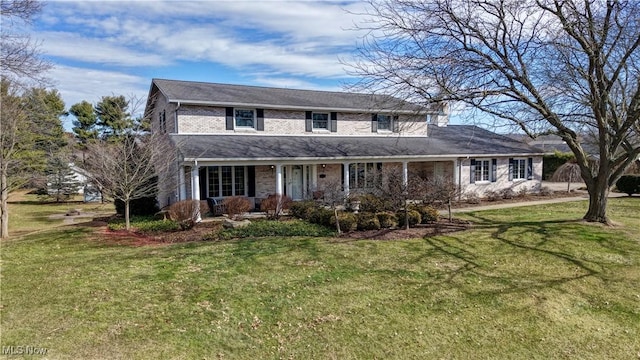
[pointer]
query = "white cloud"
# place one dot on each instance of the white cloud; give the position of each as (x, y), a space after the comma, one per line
(100, 51)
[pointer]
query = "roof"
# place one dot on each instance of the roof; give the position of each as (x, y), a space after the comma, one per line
(214, 94)
(450, 141)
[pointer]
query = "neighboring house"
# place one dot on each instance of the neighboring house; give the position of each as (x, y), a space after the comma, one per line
(235, 140)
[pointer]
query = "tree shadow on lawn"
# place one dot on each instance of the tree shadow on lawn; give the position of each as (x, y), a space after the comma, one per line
(545, 258)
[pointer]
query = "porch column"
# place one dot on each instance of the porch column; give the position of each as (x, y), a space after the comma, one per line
(182, 184)
(346, 179)
(313, 177)
(456, 173)
(195, 187)
(405, 174)
(279, 190)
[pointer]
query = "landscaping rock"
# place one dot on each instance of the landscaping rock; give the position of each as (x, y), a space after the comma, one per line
(231, 224)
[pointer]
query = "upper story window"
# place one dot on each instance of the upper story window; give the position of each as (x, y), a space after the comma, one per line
(162, 119)
(245, 118)
(320, 121)
(384, 122)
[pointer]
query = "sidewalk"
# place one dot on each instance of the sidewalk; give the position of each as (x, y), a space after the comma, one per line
(580, 197)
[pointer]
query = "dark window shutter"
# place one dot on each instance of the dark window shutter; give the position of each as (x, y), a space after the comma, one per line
(229, 118)
(530, 169)
(334, 122)
(308, 125)
(202, 173)
(510, 169)
(473, 170)
(251, 174)
(374, 122)
(260, 119)
(494, 170)
(395, 124)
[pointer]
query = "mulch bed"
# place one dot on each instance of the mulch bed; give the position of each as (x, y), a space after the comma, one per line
(442, 226)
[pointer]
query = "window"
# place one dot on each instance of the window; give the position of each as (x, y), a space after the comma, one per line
(482, 170)
(519, 169)
(320, 121)
(226, 181)
(384, 122)
(364, 175)
(245, 118)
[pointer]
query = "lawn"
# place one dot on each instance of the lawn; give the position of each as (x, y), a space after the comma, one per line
(525, 283)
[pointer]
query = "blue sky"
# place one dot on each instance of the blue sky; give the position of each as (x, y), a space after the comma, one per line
(116, 47)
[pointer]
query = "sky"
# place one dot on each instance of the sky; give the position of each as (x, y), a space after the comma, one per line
(102, 48)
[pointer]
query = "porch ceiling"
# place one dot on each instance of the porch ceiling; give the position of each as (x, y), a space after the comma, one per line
(452, 141)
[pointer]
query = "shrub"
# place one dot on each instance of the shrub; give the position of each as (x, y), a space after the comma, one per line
(414, 217)
(507, 193)
(472, 198)
(629, 184)
(274, 205)
(371, 203)
(236, 206)
(145, 224)
(427, 213)
(303, 209)
(545, 191)
(492, 195)
(522, 192)
(141, 207)
(347, 221)
(276, 228)
(368, 221)
(185, 213)
(322, 216)
(387, 219)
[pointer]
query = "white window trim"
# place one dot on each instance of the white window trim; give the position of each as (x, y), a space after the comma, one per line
(482, 181)
(319, 129)
(233, 181)
(245, 128)
(524, 178)
(390, 129)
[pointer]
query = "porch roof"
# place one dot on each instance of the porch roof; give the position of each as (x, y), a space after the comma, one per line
(443, 142)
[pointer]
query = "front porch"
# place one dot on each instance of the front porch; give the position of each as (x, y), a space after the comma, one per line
(299, 180)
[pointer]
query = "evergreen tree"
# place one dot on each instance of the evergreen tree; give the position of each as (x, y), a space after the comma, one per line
(112, 116)
(85, 124)
(61, 179)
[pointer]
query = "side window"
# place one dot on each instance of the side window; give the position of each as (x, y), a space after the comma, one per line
(245, 118)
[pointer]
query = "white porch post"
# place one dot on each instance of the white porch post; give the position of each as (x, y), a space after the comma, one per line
(195, 187)
(456, 173)
(182, 184)
(279, 190)
(313, 177)
(405, 174)
(346, 179)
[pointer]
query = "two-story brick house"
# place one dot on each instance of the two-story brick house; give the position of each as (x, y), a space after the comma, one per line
(235, 140)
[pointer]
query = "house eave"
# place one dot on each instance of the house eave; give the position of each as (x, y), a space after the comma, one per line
(298, 107)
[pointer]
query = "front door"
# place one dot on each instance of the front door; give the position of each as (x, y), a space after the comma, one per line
(296, 184)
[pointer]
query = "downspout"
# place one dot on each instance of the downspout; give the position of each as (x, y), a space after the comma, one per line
(175, 118)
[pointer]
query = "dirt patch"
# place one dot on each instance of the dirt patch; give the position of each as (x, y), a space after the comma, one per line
(136, 238)
(442, 226)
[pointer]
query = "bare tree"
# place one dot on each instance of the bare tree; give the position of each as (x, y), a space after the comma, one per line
(20, 57)
(443, 189)
(565, 67)
(128, 169)
(569, 172)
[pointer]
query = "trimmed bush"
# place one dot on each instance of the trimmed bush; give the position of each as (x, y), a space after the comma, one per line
(275, 228)
(629, 184)
(493, 195)
(274, 205)
(322, 216)
(145, 224)
(387, 219)
(427, 213)
(414, 218)
(368, 221)
(371, 203)
(236, 206)
(508, 193)
(472, 198)
(347, 221)
(303, 209)
(185, 213)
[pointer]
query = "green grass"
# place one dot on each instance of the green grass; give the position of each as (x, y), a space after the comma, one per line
(530, 283)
